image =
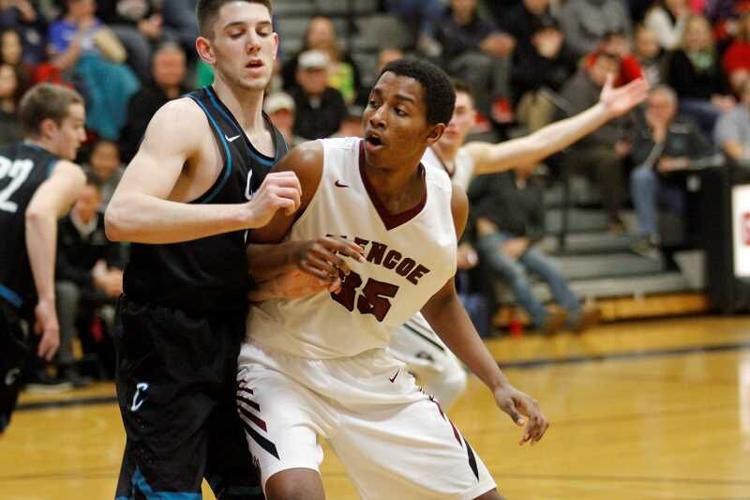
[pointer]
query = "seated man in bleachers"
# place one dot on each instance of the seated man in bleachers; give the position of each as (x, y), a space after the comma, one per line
(509, 213)
(732, 133)
(664, 144)
(320, 108)
(88, 274)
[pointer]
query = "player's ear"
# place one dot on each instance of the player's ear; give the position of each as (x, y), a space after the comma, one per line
(48, 127)
(205, 50)
(435, 133)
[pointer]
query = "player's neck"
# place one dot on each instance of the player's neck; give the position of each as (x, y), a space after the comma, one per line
(245, 105)
(399, 188)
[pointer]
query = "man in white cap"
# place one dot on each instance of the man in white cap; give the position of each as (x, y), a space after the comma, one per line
(320, 108)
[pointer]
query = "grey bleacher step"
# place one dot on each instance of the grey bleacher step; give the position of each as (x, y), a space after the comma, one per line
(603, 241)
(582, 192)
(599, 288)
(341, 7)
(605, 265)
(578, 220)
(283, 8)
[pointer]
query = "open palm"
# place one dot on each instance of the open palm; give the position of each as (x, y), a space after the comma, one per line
(620, 100)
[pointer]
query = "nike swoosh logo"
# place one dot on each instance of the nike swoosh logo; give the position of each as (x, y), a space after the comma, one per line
(394, 376)
(232, 139)
(340, 184)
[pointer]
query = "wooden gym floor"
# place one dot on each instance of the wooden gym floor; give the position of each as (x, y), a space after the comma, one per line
(648, 410)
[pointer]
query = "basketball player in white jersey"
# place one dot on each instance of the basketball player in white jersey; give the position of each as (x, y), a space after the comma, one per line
(437, 369)
(319, 366)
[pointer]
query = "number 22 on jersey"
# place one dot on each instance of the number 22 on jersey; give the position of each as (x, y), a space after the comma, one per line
(17, 171)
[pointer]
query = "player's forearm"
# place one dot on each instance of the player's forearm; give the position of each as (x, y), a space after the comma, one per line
(449, 320)
(41, 237)
(561, 134)
(141, 218)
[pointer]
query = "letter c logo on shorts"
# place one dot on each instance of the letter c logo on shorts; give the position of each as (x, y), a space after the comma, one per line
(11, 376)
(139, 389)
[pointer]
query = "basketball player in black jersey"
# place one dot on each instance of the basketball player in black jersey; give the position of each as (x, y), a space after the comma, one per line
(38, 184)
(198, 182)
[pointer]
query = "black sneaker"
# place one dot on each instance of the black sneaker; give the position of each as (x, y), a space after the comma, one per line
(42, 382)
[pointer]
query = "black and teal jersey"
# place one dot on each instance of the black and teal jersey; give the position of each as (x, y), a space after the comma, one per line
(23, 168)
(207, 274)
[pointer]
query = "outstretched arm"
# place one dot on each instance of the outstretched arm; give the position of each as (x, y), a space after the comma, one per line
(141, 211)
(613, 102)
(447, 316)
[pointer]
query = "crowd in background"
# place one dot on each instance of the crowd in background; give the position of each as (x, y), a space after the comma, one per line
(527, 62)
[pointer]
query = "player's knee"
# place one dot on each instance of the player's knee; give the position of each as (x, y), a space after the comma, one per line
(295, 484)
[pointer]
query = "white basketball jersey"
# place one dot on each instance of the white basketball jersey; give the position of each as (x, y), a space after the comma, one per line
(409, 257)
(463, 166)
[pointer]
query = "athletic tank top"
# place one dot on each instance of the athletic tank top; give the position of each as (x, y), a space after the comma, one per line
(23, 168)
(463, 166)
(208, 274)
(409, 257)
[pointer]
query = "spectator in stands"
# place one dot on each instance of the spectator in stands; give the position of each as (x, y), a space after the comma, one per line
(320, 108)
(523, 21)
(664, 144)
(667, 20)
(279, 106)
(351, 125)
(343, 74)
(732, 133)
(649, 54)
(11, 53)
(138, 26)
(475, 50)
(105, 168)
(542, 66)
(421, 18)
(618, 44)
(694, 72)
(10, 95)
(585, 22)
(22, 17)
(736, 59)
(509, 213)
(168, 70)
(178, 18)
(88, 274)
(92, 55)
(601, 153)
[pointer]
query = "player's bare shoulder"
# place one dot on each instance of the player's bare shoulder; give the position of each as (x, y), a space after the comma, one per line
(178, 124)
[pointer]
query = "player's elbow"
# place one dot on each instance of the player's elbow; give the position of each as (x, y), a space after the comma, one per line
(115, 221)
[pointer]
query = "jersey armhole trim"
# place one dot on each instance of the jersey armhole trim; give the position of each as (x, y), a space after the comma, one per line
(315, 195)
(216, 188)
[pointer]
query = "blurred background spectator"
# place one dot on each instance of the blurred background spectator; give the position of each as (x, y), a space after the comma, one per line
(342, 72)
(649, 54)
(667, 19)
(10, 95)
(279, 106)
(319, 107)
(732, 132)
(663, 146)
(90, 55)
(694, 72)
(736, 59)
(585, 22)
(105, 169)
(167, 82)
(475, 50)
(600, 154)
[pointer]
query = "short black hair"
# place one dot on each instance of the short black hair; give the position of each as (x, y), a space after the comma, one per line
(435, 83)
(207, 10)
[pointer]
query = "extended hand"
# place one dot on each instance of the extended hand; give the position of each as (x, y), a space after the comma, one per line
(519, 405)
(619, 101)
(47, 326)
